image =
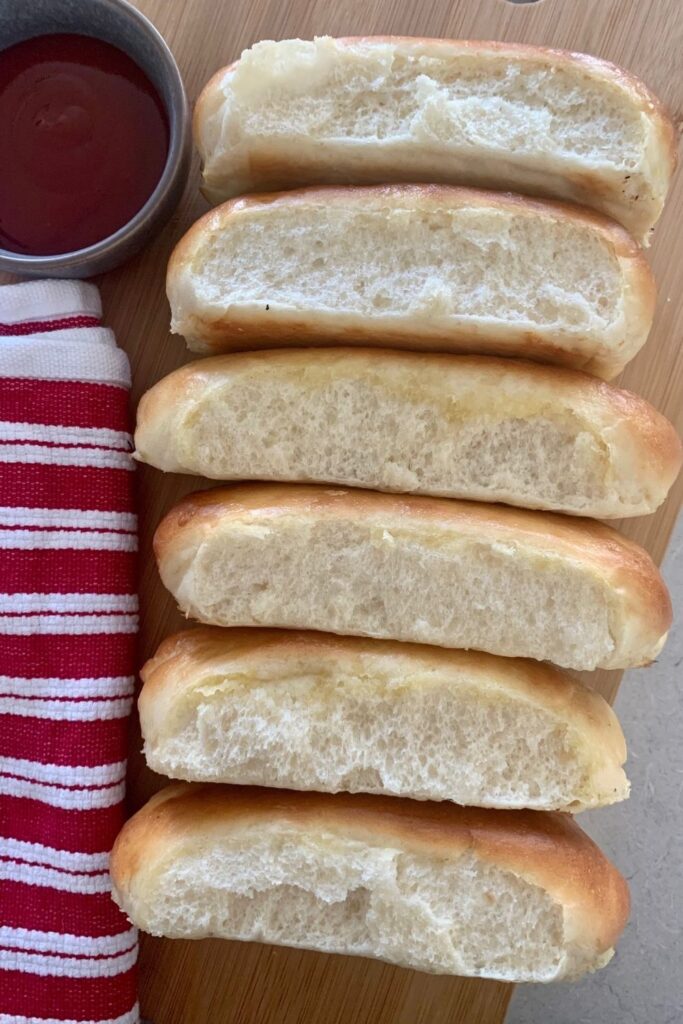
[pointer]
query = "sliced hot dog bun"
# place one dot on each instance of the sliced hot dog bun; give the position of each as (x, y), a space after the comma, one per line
(497, 115)
(417, 267)
(312, 711)
(455, 426)
(429, 570)
(514, 895)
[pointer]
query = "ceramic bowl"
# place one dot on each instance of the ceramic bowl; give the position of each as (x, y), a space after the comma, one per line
(119, 23)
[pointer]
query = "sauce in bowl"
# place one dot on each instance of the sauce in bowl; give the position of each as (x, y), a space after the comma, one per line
(84, 143)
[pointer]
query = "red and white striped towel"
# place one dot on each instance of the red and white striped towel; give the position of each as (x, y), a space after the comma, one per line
(68, 623)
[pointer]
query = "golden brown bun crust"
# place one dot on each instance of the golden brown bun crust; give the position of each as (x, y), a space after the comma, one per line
(624, 561)
(203, 644)
(641, 612)
(652, 428)
(544, 847)
(182, 659)
(286, 172)
(651, 432)
(186, 663)
(225, 333)
(456, 195)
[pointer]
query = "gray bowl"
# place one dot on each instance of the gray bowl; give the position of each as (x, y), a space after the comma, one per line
(116, 22)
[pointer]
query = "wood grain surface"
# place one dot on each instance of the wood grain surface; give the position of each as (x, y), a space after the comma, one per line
(232, 983)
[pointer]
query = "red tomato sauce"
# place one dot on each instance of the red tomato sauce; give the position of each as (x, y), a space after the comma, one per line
(83, 143)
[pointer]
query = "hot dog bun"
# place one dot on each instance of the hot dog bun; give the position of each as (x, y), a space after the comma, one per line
(430, 570)
(497, 115)
(515, 895)
(452, 426)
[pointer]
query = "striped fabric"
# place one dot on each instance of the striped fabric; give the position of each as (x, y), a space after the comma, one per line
(68, 623)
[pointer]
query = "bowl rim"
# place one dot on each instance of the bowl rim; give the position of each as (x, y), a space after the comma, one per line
(178, 113)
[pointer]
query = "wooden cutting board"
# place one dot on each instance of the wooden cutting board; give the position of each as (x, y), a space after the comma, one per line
(212, 982)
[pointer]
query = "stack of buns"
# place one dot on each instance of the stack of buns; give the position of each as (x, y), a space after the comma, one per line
(374, 748)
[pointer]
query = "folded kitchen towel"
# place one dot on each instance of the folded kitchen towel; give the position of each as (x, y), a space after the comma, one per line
(68, 623)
